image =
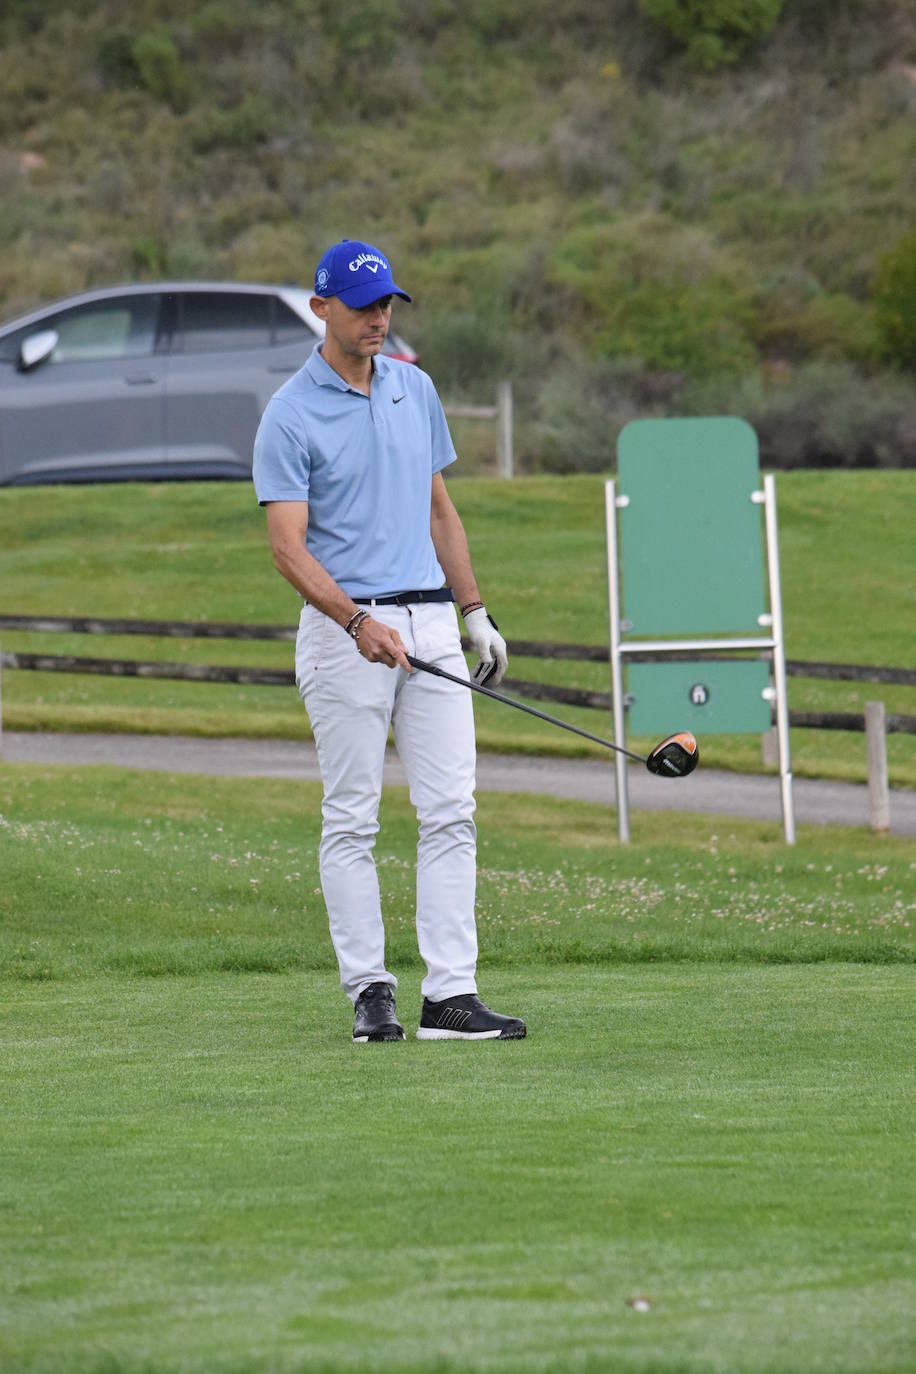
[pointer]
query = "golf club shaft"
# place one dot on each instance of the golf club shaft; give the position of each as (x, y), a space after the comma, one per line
(520, 706)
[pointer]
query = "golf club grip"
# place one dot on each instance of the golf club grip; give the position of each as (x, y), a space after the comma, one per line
(519, 706)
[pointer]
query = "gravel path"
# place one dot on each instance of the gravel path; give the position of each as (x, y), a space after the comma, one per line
(708, 790)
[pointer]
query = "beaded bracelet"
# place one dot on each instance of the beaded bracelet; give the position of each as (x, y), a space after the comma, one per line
(354, 623)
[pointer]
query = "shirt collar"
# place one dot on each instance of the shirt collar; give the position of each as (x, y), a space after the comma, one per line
(322, 374)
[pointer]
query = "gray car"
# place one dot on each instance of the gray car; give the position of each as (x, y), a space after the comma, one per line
(164, 380)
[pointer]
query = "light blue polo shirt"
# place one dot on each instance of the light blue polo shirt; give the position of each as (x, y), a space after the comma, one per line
(365, 465)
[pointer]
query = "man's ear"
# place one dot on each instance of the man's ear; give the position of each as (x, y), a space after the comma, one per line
(319, 307)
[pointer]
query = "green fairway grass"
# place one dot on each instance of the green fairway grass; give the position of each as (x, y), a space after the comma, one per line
(712, 1114)
(201, 1174)
(199, 551)
(109, 870)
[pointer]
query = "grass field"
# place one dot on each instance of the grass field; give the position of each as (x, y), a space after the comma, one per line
(117, 872)
(712, 1112)
(198, 551)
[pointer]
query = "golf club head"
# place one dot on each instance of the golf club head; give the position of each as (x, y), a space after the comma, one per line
(675, 757)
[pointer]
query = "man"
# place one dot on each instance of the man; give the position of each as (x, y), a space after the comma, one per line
(348, 461)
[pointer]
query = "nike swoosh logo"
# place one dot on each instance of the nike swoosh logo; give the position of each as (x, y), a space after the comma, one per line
(396, 400)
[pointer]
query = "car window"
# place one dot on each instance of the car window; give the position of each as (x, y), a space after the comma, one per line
(220, 321)
(124, 328)
(117, 328)
(288, 327)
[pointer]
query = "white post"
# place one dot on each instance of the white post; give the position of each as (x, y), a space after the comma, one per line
(879, 801)
(505, 457)
(779, 660)
(613, 583)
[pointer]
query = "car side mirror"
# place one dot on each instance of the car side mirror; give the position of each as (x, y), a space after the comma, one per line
(37, 348)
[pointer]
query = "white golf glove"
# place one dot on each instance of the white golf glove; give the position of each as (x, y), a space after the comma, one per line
(490, 647)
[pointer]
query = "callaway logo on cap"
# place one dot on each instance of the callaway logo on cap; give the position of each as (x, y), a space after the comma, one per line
(356, 272)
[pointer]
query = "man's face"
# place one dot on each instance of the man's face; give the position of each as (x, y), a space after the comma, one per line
(356, 333)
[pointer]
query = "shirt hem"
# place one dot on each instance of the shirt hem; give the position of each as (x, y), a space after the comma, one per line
(283, 496)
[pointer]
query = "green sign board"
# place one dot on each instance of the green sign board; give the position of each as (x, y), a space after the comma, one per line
(691, 545)
(709, 698)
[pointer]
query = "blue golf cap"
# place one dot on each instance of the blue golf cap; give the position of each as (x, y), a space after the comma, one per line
(357, 273)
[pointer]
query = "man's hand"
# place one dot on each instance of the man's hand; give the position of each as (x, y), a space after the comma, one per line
(380, 644)
(489, 645)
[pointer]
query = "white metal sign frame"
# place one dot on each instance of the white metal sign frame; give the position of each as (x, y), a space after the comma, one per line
(774, 644)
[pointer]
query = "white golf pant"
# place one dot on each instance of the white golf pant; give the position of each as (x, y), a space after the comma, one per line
(351, 704)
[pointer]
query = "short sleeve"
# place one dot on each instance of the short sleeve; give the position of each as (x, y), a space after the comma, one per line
(281, 464)
(441, 446)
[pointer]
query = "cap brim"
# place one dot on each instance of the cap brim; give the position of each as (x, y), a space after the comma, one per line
(368, 291)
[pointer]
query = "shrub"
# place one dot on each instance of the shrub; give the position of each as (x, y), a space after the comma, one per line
(222, 26)
(666, 295)
(795, 319)
(466, 351)
(248, 124)
(115, 57)
(270, 252)
(190, 258)
(160, 68)
(714, 32)
(894, 295)
(580, 410)
(24, 19)
(498, 20)
(363, 28)
(149, 256)
(818, 416)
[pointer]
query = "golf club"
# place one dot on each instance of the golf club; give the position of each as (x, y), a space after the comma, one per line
(674, 757)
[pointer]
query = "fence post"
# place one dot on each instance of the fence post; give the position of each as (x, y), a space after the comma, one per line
(506, 460)
(879, 804)
(770, 743)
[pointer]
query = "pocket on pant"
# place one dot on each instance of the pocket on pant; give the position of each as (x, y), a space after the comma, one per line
(311, 642)
(442, 638)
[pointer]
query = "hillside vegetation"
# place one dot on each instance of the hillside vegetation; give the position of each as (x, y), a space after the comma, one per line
(627, 206)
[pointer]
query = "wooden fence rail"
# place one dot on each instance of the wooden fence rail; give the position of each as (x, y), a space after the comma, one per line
(150, 668)
(155, 629)
(874, 722)
(283, 677)
(502, 414)
(521, 648)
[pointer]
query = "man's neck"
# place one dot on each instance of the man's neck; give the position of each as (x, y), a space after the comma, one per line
(356, 372)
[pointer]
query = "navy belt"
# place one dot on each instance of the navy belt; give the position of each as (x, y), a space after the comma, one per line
(406, 598)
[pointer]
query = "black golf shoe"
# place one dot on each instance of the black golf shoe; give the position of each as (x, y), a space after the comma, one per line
(376, 1018)
(467, 1018)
